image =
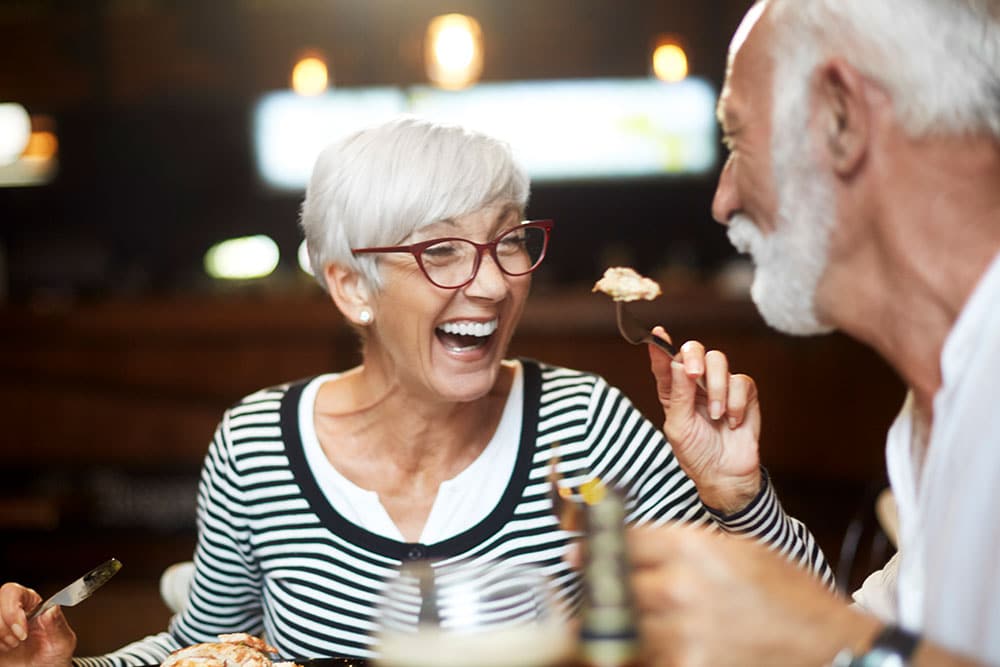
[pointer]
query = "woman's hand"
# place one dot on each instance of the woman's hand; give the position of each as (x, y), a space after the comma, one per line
(715, 434)
(47, 641)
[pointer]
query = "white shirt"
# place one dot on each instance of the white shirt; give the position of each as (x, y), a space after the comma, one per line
(461, 502)
(948, 583)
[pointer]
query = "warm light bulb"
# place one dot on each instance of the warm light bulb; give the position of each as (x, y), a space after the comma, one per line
(310, 76)
(670, 63)
(454, 51)
(454, 48)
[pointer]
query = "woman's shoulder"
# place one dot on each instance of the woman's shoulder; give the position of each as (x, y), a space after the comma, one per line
(259, 417)
(556, 378)
(268, 398)
(553, 371)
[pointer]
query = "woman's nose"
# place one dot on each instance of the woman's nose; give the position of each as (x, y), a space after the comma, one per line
(489, 281)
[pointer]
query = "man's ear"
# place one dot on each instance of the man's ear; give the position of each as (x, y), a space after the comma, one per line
(349, 292)
(844, 115)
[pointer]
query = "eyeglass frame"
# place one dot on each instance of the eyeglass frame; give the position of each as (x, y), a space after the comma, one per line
(417, 249)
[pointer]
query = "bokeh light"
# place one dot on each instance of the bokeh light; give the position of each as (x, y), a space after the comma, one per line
(454, 51)
(670, 62)
(310, 75)
(242, 258)
(15, 131)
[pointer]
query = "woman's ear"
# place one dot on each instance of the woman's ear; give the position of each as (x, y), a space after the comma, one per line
(349, 291)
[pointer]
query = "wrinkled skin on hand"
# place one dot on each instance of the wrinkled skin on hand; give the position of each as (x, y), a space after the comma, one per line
(713, 433)
(712, 600)
(47, 641)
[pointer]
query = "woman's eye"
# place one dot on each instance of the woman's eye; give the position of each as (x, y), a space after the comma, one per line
(441, 252)
(511, 243)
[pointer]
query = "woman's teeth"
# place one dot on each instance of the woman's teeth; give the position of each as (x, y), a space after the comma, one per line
(478, 329)
(463, 336)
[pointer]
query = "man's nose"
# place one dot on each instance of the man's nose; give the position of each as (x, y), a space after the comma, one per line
(725, 203)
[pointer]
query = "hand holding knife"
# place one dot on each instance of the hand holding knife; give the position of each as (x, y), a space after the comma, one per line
(81, 589)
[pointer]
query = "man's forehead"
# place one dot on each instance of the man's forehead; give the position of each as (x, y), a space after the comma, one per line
(749, 46)
(750, 19)
(747, 75)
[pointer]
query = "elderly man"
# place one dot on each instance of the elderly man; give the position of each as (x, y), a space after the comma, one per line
(864, 179)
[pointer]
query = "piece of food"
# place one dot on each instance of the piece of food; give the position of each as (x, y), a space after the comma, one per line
(232, 650)
(623, 284)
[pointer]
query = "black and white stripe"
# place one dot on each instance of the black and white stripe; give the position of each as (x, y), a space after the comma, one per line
(274, 556)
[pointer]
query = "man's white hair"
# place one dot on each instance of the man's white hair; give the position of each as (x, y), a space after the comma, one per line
(939, 60)
(377, 186)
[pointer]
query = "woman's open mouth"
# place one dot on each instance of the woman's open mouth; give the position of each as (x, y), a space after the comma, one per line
(462, 336)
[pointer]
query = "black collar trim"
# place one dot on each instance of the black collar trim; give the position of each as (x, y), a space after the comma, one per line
(453, 546)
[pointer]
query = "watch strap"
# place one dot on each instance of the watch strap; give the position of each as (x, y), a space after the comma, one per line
(892, 647)
(897, 640)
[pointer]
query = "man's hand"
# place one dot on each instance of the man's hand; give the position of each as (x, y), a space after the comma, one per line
(47, 641)
(707, 599)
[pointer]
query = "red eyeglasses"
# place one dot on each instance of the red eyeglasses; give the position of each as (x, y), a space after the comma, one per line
(453, 262)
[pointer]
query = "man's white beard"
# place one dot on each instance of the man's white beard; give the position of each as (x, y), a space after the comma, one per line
(790, 260)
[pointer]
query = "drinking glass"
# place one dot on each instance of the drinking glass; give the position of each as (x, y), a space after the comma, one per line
(466, 614)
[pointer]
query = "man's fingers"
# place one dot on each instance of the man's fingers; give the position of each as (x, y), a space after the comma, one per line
(653, 546)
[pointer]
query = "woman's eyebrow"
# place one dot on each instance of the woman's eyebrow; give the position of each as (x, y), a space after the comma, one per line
(509, 211)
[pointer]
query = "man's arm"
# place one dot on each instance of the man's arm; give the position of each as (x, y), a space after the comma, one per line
(706, 598)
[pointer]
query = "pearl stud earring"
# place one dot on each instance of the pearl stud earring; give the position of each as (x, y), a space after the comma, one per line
(365, 316)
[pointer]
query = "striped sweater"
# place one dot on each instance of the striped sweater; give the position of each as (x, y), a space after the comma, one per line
(274, 557)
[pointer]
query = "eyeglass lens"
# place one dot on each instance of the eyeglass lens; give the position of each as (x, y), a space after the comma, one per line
(452, 262)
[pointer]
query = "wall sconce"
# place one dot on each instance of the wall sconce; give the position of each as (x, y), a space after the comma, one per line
(453, 51)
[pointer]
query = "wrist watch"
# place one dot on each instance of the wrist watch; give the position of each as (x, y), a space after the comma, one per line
(891, 648)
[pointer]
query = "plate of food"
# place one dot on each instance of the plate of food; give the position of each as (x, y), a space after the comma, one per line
(244, 650)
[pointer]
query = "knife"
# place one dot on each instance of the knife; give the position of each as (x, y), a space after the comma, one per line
(81, 589)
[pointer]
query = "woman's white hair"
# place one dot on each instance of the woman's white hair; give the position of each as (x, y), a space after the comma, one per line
(939, 60)
(379, 185)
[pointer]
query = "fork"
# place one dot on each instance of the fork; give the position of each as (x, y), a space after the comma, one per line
(638, 334)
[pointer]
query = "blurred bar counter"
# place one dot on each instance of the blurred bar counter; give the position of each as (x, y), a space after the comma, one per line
(108, 408)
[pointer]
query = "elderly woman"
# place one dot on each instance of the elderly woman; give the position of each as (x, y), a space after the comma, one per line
(437, 446)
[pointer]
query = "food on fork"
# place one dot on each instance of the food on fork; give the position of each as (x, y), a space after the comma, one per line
(622, 283)
(233, 650)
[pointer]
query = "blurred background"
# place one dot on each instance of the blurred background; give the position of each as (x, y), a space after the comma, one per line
(153, 155)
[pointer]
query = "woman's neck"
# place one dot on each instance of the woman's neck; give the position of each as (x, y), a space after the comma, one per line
(384, 439)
